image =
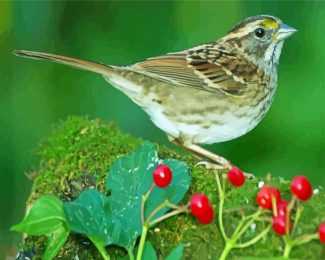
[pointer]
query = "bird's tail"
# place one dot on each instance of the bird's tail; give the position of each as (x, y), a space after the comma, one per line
(81, 64)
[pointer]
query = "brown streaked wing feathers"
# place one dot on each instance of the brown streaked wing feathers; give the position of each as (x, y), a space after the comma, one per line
(216, 76)
(171, 67)
(193, 69)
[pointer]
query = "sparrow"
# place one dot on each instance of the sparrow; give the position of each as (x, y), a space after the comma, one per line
(207, 94)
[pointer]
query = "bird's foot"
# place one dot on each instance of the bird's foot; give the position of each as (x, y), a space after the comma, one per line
(249, 176)
(211, 166)
(214, 166)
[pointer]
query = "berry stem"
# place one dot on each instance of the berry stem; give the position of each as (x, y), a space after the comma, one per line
(221, 202)
(288, 247)
(274, 207)
(257, 218)
(143, 201)
(168, 215)
(166, 203)
(289, 243)
(242, 226)
(145, 229)
(249, 223)
(305, 239)
(227, 249)
(255, 239)
(297, 216)
(146, 223)
(289, 209)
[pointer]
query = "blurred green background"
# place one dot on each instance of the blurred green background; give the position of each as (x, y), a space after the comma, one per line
(35, 95)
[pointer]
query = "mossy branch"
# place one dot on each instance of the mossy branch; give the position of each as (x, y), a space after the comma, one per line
(77, 157)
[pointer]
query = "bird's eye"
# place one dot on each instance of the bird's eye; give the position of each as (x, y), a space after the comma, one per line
(259, 32)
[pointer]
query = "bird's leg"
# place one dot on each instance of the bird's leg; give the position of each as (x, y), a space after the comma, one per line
(179, 143)
(222, 163)
(200, 152)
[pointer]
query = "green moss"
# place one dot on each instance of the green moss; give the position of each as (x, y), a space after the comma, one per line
(78, 157)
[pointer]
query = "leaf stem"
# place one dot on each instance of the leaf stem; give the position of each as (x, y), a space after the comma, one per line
(130, 253)
(142, 241)
(100, 247)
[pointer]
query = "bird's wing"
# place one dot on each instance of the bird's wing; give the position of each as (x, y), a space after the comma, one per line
(202, 67)
(172, 67)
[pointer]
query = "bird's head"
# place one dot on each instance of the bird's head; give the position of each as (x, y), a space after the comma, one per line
(259, 38)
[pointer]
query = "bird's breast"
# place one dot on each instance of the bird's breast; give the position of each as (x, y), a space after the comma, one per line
(195, 114)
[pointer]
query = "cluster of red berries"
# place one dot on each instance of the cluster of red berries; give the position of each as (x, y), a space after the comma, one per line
(270, 198)
(199, 203)
(265, 198)
(201, 208)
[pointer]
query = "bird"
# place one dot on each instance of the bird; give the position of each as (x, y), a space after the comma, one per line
(206, 94)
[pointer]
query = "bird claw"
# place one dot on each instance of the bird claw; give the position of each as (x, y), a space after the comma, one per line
(210, 166)
(249, 176)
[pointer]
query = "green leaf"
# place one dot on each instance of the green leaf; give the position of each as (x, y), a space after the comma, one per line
(176, 253)
(148, 253)
(55, 241)
(130, 178)
(46, 217)
(90, 215)
(174, 192)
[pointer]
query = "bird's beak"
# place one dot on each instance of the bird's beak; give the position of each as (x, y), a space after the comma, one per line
(284, 32)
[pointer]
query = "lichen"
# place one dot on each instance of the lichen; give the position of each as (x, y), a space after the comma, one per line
(78, 156)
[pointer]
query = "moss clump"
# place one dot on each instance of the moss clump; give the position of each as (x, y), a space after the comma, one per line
(78, 156)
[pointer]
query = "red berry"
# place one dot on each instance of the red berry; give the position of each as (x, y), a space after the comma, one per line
(281, 207)
(207, 217)
(301, 187)
(162, 175)
(236, 177)
(321, 232)
(199, 204)
(264, 196)
(279, 225)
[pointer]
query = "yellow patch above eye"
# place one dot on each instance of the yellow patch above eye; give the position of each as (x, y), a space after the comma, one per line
(270, 23)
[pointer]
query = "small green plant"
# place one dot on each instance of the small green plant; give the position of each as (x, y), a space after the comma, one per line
(272, 212)
(46, 218)
(137, 201)
(143, 190)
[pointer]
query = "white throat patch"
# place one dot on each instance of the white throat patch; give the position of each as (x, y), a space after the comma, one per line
(272, 54)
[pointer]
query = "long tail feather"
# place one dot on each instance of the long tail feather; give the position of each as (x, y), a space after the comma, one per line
(81, 64)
